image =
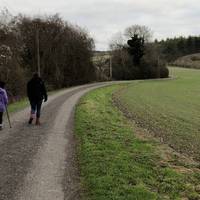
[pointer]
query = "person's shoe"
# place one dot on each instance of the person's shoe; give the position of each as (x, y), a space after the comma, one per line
(37, 122)
(30, 120)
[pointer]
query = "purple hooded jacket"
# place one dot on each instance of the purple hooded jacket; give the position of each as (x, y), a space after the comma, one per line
(3, 100)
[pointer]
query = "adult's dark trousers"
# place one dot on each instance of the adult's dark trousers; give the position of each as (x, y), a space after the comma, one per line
(1, 118)
(36, 107)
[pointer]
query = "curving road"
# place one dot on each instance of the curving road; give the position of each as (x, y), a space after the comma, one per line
(38, 163)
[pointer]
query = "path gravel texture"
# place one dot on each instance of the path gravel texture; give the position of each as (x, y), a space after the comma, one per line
(39, 162)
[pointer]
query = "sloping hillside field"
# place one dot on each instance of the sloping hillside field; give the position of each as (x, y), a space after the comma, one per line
(189, 61)
(170, 109)
(122, 160)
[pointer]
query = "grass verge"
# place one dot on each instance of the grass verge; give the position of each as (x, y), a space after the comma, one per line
(19, 105)
(117, 165)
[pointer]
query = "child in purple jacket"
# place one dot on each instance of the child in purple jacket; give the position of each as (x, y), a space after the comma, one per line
(3, 102)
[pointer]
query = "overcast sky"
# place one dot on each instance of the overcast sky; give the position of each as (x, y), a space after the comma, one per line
(103, 18)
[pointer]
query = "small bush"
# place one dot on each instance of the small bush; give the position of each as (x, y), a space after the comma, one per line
(164, 72)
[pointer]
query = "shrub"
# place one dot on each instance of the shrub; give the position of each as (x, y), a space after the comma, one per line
(164, 72)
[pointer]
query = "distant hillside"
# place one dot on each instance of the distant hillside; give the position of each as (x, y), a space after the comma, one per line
(189, 61)
(101, 53)
(101, 61)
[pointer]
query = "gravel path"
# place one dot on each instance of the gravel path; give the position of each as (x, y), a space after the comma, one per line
(38, 162)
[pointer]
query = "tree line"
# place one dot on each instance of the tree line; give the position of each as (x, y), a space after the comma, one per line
(134, 56)
(180, 46)
(145, 58)
(65, 52)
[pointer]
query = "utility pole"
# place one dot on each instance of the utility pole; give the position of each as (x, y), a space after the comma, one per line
(110, 67)
(38, 50)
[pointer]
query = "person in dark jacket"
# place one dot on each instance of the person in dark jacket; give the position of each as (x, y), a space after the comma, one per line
(36, 92)
(3, 102)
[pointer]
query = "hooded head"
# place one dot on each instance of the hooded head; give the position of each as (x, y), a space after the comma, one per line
(36, 75)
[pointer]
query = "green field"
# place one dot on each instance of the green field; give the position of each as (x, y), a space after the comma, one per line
(116, 162)
(170, 109)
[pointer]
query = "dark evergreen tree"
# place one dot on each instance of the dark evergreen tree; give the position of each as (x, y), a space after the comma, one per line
(136, 48)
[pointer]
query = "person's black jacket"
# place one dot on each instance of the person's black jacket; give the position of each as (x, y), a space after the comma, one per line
(36, 90)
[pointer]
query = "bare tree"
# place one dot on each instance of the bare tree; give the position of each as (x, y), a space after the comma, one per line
(5, 17)
(141, 31)
(117, 41)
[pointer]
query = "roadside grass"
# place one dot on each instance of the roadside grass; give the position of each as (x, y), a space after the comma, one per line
(19, 105)
(115, 164)
(170, 109)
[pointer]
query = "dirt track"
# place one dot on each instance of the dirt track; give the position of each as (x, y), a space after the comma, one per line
(38, 163)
